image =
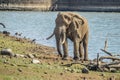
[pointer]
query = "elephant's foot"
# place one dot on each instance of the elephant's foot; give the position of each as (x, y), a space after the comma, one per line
(76, 58)
(65, 58)
(85, 59)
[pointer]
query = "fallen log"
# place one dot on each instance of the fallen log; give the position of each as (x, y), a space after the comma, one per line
(109, 57)
(114, 66)
(116, 55)
(114, 63)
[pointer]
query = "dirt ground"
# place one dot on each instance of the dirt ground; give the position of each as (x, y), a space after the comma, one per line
(51, 66)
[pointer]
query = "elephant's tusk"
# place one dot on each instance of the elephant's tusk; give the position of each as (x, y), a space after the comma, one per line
(63, 41)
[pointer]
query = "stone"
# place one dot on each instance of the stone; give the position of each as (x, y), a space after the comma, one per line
(6, 33)
(30, 56)
(20, 70)
(61, 73)
(35, 61)
(19, 55)
(45, 72)
(72, 70)
(102, 75)
(112, 78)
(113, 70)
(85, 70)
(7, 52)
(12, 64)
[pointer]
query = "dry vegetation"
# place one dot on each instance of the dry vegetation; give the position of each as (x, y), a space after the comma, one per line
(50, 67)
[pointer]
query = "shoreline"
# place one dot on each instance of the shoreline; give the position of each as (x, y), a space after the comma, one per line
(61, 8)
(48, 66)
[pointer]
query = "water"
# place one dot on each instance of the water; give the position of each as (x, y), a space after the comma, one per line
(39, 25)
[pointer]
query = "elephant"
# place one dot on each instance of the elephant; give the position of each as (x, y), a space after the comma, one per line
(74, 27)
(2, 25)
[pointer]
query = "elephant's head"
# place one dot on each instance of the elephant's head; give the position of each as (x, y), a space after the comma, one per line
(75, 27)
(63, 21)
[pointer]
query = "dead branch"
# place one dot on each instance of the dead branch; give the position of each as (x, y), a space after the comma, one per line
(115, 66)
(106, 52)
(114, 63)
(109, 57)
(106, 44)
(98, 60)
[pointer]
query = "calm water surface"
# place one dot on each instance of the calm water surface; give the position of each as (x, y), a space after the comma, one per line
(39, 25)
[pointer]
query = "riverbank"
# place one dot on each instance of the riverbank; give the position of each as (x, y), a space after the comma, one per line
(50, 66)
(91, 8)
(61, 5)
(48, 8)
(25, 7)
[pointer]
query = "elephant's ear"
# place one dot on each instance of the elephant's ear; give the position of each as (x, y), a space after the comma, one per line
(79, 20)
(77, 24)
(67, 19)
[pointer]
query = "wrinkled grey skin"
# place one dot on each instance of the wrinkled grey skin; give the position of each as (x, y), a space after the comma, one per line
(73, 26)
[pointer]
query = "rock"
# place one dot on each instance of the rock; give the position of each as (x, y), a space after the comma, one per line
(6, 33)
(103, 75)
(72, 70)
(30, 56)
(45, 72)
(105, 69)
(12, 64)
(20, 70)
(85, 70)
(113, 70)
(112, 78)
(61, 73)
(84, 78)
(35, 61)
(6, 62)
(19, 55)
(7, 52)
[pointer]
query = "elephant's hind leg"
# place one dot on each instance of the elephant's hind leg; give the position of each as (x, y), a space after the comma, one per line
(85, 45)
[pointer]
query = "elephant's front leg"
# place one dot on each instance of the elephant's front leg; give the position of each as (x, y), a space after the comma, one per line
(81, 53)
(65, 50)
(76, 50)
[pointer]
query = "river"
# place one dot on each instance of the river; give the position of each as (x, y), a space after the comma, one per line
(39, 25)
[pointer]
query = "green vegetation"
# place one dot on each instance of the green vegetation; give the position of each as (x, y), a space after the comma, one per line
(51, 67)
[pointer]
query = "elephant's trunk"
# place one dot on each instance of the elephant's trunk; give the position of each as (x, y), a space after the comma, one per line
(60, 39)
(50, 36)
(2, 25)
(58, 44)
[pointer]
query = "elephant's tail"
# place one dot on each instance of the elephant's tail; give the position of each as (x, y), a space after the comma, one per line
(50, 36)
(3, 25)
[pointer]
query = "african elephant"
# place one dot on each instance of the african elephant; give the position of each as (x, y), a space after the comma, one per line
(2, 25)
(75, 27)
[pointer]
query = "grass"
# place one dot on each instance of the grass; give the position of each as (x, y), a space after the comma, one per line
(50, 67)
